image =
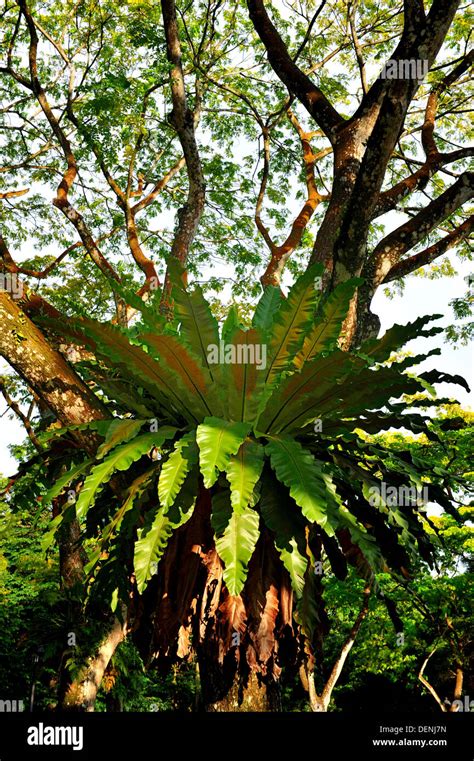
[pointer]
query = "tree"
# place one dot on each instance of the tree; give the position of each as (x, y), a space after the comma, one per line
(99, 98)
(251, 491)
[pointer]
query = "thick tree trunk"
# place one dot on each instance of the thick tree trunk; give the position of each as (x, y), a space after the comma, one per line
(241, 641)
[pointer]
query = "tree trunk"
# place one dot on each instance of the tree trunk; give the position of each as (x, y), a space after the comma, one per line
(252, 696)
(240, 641)
(320, 703)
(81, 694)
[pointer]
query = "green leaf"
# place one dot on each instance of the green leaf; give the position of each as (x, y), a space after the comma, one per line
(283, 517)
(325, 333)
(434, 376)
(218, 440)
(48, 538)
(65, 480)
(134, 492)
(360, 537)
(175, 469)
(244, 381)
(231, 323)
(303, 475)
(111, 344)
(270, 301)
(119, 432)
(243, 472)
(152, 541)
(199, 328)
(183, 506)
(236, 546)
(296, 565)
(101, 426)
(169, 350)
(296, 399)
(380, 349)
(120, 459)
(150, 317)
(292, 322)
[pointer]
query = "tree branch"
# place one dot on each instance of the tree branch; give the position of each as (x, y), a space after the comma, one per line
(280, 254)
(428, 255)
(428, 685)
(263, 229)
(427, 130)
(13, 193)
(12, 266)
(357, 48)
(297, 82)
(346, 648)
(15, 407)
(61, 201)
(388, 252)
(418, 180)
(182, 118)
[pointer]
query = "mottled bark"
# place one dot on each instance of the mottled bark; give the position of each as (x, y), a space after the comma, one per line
(184, 121)
(45, 370)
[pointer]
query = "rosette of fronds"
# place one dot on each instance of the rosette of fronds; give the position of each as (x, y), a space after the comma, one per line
(281, 447)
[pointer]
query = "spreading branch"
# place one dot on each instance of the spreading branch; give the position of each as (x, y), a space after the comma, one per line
(389, 251)
(281, 253)
(321, 702)
(183, 120)
(297, 82)
(428, 255)
(426, 684)
(13, 193)
(15, 407)
(62, 201)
